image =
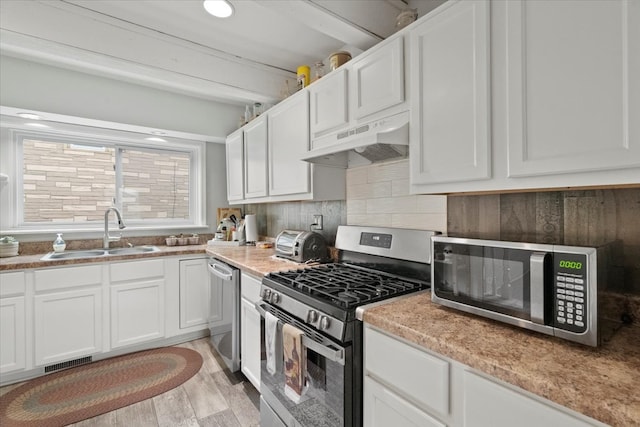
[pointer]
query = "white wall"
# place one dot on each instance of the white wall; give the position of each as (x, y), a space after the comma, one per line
(36, 86)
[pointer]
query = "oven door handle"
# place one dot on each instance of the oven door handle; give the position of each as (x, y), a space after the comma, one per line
(325, 349)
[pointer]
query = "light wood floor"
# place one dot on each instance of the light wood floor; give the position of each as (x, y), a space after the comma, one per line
(212, 398)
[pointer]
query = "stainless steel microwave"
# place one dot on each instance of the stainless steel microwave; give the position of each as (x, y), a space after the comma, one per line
(546, 288)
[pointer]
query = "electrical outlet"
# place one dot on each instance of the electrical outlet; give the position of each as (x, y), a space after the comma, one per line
(317, 222)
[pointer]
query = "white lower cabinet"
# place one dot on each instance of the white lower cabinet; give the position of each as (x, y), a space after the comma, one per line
(68, 313)
(137, 302)
(489, 404)
(407, 386)
(385, 408)
(195, 291)
(250, 329)
(12, 322)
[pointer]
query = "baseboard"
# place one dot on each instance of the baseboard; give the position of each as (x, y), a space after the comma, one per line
(14, 377)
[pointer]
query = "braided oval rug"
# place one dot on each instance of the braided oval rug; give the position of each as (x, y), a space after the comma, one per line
(86, 391)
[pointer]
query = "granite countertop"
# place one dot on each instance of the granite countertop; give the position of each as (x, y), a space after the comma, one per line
(248, 258)
(253, 260)
(602, 383)
(33, 261)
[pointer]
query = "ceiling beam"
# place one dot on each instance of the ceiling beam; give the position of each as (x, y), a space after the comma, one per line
(327, 22)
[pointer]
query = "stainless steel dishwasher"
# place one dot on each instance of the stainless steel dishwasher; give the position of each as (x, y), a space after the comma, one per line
(224, 321)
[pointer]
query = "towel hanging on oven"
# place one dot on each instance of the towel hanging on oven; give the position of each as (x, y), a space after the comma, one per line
(294, 362)
(270, 331)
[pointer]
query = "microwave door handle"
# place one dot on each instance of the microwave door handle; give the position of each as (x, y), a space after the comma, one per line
(537, 286)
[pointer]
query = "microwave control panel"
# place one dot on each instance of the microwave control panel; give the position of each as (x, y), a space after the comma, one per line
(570, 289)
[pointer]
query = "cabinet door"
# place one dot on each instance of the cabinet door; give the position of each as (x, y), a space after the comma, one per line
(450, 112)
(329, 104)
(235, 167)
(68, 324)
(383, 408)
(573, 87)
(137, 312)
(421, 376)
(194, 293)
(250, 341)
(377, 80)
(255, 158)
(12, 334)
(288, 142)
(488, 404)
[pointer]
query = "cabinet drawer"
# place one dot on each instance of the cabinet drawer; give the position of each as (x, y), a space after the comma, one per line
(384, 408)
(250, 288)
(12, 283)
(128, 271)
(409, 371)
(68, 277)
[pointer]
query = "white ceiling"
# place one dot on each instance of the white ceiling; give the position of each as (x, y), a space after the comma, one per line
(176, 45)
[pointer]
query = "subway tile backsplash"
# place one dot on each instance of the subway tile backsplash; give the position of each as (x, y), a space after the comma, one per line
(378, 195)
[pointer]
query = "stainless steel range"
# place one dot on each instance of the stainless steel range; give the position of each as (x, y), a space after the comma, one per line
(374, 264)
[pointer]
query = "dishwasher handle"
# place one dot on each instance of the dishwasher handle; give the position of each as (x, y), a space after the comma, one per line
(220, 270)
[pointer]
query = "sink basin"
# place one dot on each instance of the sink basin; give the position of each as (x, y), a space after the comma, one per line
(93, 253)
(73, 254)
(132, 251)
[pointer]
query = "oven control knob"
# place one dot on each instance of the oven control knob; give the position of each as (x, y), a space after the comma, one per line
(275, 298)
(265, 294)
(324, 323)
(312, 316)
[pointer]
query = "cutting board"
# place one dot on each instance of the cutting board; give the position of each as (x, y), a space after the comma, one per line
(227, 212)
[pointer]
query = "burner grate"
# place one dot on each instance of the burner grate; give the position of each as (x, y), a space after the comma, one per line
(345, 286)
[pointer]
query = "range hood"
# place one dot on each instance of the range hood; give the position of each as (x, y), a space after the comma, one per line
(380, 140)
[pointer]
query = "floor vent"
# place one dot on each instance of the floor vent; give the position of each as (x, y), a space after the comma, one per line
(68, 364)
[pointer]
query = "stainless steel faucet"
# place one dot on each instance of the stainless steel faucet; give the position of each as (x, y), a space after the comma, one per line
(106, 238)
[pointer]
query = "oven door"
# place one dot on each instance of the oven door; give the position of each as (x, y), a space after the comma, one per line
(327, 398)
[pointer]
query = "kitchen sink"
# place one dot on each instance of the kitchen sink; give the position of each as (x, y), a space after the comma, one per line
(132, 251)
(94, 253)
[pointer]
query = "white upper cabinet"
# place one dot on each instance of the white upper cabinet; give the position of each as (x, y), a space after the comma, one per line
(271, 148)
(517, 95)
(255, 158)
(450, 113)
(573, 72)
(370, 87)
(329, 104)
(377, 80)
(235, 166)
(288, 141)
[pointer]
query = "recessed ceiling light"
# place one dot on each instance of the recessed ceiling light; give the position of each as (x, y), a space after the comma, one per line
(29, 116)
(218, 8)
(155, 139)
(37, 125)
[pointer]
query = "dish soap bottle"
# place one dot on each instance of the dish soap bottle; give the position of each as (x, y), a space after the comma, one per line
(59, 245)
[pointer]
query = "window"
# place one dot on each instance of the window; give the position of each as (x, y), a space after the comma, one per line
(68, 181)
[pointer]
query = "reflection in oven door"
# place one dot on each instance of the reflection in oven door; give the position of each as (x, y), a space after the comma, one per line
(325, 400)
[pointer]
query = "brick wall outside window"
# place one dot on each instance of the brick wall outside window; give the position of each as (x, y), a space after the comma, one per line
(69, 183)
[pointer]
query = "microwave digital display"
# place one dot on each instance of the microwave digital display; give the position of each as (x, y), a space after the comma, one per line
(572, 265)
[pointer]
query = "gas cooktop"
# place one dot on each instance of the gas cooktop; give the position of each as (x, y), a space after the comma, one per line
(345, 286)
